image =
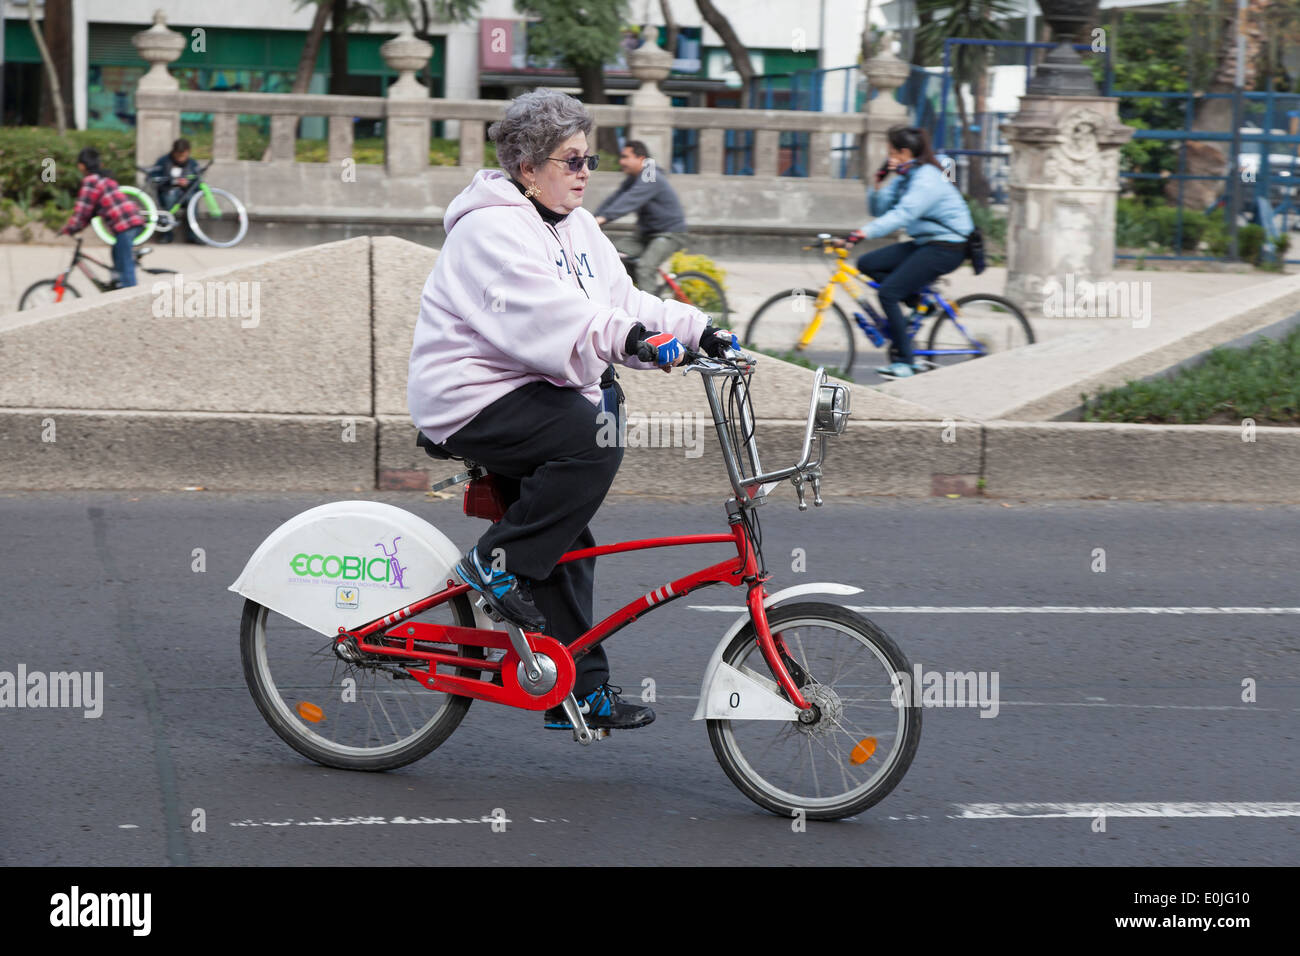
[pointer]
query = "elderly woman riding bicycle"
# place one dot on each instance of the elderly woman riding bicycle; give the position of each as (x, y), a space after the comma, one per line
(521, 321)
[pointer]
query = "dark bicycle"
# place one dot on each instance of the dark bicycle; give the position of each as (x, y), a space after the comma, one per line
(58, 289)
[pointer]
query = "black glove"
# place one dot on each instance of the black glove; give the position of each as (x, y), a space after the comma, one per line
(715, 342)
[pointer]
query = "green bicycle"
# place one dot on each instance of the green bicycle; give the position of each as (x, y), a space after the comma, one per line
(215, 216)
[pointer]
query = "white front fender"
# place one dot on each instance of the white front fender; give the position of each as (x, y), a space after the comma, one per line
(346, 563)
(732, 694)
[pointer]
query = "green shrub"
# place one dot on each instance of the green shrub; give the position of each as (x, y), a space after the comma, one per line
(24, 172)
(1250, 242)
(1261, 381)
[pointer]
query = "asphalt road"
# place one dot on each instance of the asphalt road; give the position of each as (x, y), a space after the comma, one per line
(1142, 712)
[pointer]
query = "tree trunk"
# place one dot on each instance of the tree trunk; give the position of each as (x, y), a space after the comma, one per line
(670, 24)
(58, 38)
(339, 48)
(311, 48)
(1215, 115)
(739, 55)
(591, 78)
(51, 75)
(978, 182)
(919, 52)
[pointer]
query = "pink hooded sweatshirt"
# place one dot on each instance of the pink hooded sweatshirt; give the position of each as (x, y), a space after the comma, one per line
(514, 300)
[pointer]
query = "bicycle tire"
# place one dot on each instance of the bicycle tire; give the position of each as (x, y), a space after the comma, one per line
(193, 218)
(701, 291)
(795, 621)
(294, 730)
(31, 298)
(1009, 334)
(148, 210)
(837, 350)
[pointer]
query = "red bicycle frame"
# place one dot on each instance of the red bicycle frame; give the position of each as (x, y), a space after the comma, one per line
(400, 641)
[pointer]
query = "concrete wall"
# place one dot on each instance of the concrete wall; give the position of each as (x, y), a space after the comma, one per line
(109, 393)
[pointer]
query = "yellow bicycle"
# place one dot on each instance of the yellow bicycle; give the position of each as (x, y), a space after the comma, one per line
(809, 327)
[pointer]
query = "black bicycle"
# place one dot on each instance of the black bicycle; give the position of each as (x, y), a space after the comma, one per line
(58, 289)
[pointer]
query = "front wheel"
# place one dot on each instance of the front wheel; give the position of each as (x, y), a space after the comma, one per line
(701, 291)
(148, 212)
(46, 292)
(985, 324)
(217, 217)
(788, 326)
(866, 726)
(369, 715)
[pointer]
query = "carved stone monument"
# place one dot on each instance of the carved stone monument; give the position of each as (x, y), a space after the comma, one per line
(1064, 177)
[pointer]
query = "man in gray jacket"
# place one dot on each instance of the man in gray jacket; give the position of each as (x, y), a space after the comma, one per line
(660, 222)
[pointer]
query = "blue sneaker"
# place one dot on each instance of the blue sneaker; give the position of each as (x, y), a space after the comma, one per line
(896, 370)
(506, 594)
(602, 709)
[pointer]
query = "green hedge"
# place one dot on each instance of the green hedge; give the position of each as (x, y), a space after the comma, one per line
(24, 171)
(1152, 226)
(1261, 382)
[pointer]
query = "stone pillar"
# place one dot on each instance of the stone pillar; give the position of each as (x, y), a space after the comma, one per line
(157, 109)
(651, 117)
(1064, 176)
(1063, 185)
(711, 151)
(885, 73)
(406, 126)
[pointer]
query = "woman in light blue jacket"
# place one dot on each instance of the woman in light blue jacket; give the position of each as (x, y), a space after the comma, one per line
(922, 200)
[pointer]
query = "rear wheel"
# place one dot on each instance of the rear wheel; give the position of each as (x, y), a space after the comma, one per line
(46, 292)
(783, 320)
(862, 734)
(220, 221)
(988, 324)
(370, 715)
(701, 291)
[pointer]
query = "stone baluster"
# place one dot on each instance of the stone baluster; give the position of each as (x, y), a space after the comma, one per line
(651, 111)
(406, 128)
(158, 118)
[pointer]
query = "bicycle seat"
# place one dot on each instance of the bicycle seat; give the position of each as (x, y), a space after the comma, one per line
(433, 449)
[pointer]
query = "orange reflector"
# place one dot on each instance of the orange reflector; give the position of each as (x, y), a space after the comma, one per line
(314, 714)
(863, 751)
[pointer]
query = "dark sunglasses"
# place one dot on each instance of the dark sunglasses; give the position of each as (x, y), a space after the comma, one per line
(575, 163)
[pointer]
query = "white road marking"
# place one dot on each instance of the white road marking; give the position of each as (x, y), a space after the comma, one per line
(1005, 811)
(1014, 609)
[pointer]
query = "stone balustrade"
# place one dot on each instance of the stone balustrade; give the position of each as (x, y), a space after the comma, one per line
(407, 189)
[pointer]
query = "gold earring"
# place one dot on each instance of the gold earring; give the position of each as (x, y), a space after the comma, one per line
(532, 191)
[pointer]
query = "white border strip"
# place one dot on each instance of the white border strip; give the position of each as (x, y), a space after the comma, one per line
(1005, 811)
(1013, 609)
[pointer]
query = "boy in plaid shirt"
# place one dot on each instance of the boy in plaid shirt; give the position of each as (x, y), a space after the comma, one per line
(101, 196)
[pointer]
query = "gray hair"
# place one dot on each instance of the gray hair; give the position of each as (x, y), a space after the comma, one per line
(534, 124)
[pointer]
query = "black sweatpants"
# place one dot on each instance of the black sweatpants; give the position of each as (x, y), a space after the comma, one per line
(904, 269)
(540, 440)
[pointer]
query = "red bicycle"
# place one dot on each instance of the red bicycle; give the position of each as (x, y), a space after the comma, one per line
(806, 702)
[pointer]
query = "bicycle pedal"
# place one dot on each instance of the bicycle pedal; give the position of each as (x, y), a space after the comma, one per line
(492, 613)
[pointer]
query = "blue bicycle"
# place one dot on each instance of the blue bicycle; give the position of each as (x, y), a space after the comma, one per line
(808, 324)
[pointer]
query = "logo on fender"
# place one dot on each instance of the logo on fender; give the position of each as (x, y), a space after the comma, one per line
(352, 567)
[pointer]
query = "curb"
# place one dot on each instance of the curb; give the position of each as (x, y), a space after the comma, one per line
(71, 449)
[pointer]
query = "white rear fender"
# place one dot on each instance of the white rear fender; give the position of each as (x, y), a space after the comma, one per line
(747, 694)
(347, 563)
